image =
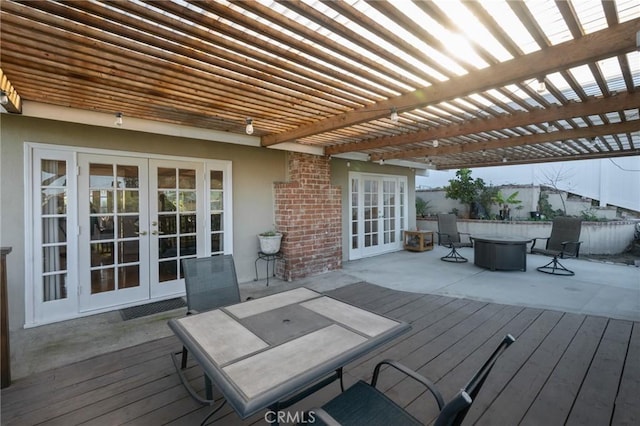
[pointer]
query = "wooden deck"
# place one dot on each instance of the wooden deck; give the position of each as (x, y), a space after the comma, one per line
(563, 369)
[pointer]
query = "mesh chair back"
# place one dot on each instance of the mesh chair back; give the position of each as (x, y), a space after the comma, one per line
(210, 282)
(564, 229)
(448, 228)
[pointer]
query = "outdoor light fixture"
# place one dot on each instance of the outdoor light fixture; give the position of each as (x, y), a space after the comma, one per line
(381, 162)
(118, 119)
(484, 152)
(542, 87)
(504, 159)
(249, 128)
(4, 98)
(394, 114)
(435, 143)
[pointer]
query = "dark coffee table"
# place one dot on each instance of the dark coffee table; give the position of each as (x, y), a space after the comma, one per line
(503, 253)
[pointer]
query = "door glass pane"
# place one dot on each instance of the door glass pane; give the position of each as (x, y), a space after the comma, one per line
(389, 209)
(177, 224)
(114, 218)
(129, 251)
(187, 179)
(127, 177)
(187, 201)
(167, 201)
(167, 247)
(188, 245)
(355, 202)
(216, 195)
(53, 220)
(102, 254)
(102, 280)
(168, 270)
(166, 178)
(128, 201)
(187, 223)
(129, 276)
(101, 176)
(371, 212)
(53, 173)
(54, 230)
(54, 258)
(128, 226)
(54, 201)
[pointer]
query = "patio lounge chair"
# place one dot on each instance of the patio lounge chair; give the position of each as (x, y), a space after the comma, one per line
(210, 283)
(563, 242)
(363, 404)
(449, 236)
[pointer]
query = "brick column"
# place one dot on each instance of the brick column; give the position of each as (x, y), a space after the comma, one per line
(308, 213)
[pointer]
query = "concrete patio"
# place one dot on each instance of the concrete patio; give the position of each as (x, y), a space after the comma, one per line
(600, 289)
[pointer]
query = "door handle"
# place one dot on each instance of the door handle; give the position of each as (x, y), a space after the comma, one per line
(141, 233)
(157, 233)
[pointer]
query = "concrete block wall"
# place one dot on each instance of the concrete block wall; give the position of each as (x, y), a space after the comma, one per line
(308, 213)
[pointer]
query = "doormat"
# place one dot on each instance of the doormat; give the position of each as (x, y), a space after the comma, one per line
(152, 308)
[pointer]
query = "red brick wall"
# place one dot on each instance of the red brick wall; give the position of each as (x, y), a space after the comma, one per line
(308, 213)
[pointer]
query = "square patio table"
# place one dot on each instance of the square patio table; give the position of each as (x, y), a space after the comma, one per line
(263, 352)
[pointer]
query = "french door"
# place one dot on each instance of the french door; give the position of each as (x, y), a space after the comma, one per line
(378, 207)
(110, 231)
(139, 219)
(114, 223)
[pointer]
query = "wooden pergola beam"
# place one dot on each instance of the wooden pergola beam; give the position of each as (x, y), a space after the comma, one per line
(15, 102)
(606, 43)
(593, 106)
(561, 135)
(592, 156)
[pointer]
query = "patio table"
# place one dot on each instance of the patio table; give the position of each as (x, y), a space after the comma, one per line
(265, 353)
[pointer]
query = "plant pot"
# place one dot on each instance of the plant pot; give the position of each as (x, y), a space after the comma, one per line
(270, 244)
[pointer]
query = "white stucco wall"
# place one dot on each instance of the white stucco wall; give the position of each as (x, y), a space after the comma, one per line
(596, 237)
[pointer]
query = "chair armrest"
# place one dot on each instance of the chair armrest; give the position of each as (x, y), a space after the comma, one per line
(321, 414)
(535, 240)
(416, 376)
(566, 243)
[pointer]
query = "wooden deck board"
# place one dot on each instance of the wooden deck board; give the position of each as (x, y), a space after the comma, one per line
(563, 368)
(595, 401)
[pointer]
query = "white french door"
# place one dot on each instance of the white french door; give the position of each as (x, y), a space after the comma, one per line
(176, 214)
(114, 230)
(378, 208)
(111, 230)
(142, 218)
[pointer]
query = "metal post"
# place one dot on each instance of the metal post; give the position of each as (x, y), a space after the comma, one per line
(5, 354)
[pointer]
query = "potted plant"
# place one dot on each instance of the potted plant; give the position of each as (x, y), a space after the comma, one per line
(504, 203)
(270, 241)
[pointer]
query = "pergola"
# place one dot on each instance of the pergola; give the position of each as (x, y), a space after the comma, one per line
(439, 84)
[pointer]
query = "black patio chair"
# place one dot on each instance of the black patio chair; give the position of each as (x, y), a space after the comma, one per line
(363, 404)
(210, 282)
(449, 236)
(563, 242)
